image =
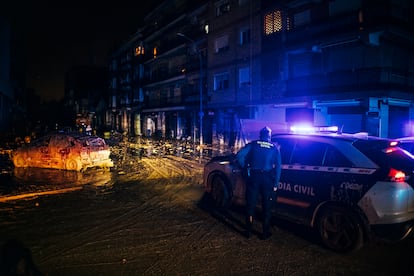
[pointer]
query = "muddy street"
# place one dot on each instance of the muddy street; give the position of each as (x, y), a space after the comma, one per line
(148, 218)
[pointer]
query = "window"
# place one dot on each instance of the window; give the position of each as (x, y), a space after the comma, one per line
(334, 158)
(114, 64)
(308, 153)
(305, 64)
(222, 7)
(139, 50)
(341, 6)
(221, 81)
(138, 95)
(222, 44)
(141, 71)
(301, 18)
(114, 98)
(135, 75)
(244, 76)
(244, 36)
(154, 52)
(286, 148)
(273, 22)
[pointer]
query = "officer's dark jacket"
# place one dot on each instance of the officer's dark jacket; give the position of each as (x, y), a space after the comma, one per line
(261, 155)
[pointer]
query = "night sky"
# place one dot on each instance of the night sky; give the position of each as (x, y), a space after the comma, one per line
(53, 37)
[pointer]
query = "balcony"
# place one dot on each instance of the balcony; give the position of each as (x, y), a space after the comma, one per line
(360, 80)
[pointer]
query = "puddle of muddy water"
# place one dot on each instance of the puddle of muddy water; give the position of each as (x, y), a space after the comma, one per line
(29, 180)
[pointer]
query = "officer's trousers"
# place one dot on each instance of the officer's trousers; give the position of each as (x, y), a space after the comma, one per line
(260, 184)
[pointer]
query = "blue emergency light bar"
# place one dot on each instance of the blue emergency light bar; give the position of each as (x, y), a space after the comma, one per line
(313, 129)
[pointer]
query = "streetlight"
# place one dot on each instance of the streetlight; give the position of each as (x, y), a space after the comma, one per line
(200, 113)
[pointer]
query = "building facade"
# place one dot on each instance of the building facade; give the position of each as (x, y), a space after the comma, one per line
(234, 70)
(344, 63)
(199, 69)
(157, 76)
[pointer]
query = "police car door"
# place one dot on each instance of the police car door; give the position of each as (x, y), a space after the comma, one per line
(305, 181)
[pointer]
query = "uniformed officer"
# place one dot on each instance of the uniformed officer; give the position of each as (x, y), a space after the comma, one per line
(262, 162)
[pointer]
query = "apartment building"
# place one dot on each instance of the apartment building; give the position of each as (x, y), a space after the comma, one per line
(157, 78)
(200, 69)
(234, 70)
(344, 63)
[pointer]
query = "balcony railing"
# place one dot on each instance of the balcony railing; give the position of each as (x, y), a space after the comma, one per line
(364, 79)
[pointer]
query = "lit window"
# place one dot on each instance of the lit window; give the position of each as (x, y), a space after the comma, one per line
(139, 50)
(222, 44)
(273, 22)
(154, 52)
(244, 76)
(221, 81)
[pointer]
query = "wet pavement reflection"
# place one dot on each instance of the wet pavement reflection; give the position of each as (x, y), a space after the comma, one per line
(34, 180)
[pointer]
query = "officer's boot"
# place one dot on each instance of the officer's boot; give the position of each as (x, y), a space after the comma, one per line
(249, 225)
(266, 229)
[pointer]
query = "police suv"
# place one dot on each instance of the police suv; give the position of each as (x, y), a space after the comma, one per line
(346, 186)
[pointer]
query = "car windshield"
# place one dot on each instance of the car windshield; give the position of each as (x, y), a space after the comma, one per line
(92, 141)
(394, 157)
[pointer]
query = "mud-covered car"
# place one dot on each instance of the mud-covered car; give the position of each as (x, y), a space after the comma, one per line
(64, 151)
(346, 187)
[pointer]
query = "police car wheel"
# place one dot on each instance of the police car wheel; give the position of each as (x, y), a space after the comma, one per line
(219, 192)
(340, 230)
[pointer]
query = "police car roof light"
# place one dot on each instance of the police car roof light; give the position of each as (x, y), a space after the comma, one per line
(307, 129)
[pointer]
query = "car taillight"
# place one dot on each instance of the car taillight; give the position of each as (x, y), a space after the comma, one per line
(396, 175)
(389, 150)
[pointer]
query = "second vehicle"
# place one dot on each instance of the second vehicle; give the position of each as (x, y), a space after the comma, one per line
(64, 151)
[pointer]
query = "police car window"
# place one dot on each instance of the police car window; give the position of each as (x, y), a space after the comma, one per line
(334, 158)
(308, 153)
(286, 148)
(378, 153)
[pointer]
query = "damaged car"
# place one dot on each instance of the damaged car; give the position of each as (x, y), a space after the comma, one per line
(64, 151)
